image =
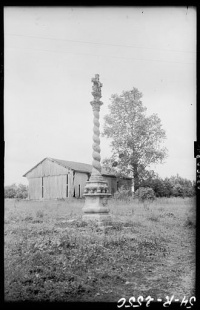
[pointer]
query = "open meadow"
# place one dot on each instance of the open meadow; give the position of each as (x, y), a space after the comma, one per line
(147, 250)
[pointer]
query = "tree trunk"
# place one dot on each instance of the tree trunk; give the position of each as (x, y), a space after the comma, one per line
(136, 176)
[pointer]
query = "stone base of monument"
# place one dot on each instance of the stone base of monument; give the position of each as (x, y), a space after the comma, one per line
(96, 197)
(95, 209)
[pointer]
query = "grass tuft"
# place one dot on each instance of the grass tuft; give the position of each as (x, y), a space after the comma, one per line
(190, 223)
(39, 214)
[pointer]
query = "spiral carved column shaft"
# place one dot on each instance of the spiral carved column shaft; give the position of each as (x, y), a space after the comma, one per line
(96, 166)
(96, 145)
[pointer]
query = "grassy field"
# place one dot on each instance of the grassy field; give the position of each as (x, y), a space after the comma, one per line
(148, 250)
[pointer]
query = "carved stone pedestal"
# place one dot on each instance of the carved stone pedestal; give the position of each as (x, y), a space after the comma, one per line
(96, 195)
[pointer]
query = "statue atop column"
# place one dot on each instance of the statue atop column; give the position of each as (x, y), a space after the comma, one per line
(96, 88)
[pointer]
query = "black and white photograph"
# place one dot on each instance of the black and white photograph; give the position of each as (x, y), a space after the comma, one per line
(99, 167)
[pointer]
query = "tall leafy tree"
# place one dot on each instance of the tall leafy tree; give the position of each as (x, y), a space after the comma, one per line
(136, 139)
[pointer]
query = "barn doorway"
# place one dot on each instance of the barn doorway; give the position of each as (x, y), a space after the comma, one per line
(42, 188)
(77, 191)
(67, 187)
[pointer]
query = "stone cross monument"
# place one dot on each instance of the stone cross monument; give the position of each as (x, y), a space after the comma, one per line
(96, 191)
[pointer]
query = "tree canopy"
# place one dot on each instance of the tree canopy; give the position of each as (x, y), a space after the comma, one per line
(136, 139)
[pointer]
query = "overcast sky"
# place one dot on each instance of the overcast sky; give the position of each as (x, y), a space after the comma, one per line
(51, 54)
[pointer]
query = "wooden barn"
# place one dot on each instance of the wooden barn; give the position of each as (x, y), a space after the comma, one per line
(54, 178)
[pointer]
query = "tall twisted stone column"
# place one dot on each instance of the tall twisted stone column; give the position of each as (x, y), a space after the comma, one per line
(96, 190)
(96, 166)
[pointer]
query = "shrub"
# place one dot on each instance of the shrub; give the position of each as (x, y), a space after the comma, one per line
(178, 190)
(14, 191)
(145, 193)
(122, 194)
(175, 186)
(10, 191)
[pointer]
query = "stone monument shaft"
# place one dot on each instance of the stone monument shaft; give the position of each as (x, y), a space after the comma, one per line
(96, 190)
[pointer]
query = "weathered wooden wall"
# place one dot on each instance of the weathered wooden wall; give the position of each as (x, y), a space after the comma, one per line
(54, 186)
(71, 183)
(46, 168)
(35, 188)
(49, 180)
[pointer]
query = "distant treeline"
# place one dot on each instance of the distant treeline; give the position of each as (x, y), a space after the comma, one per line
(175, 186)
(16, 191)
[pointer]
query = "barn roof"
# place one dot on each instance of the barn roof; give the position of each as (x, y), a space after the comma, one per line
(73, 165)
(81, 167)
